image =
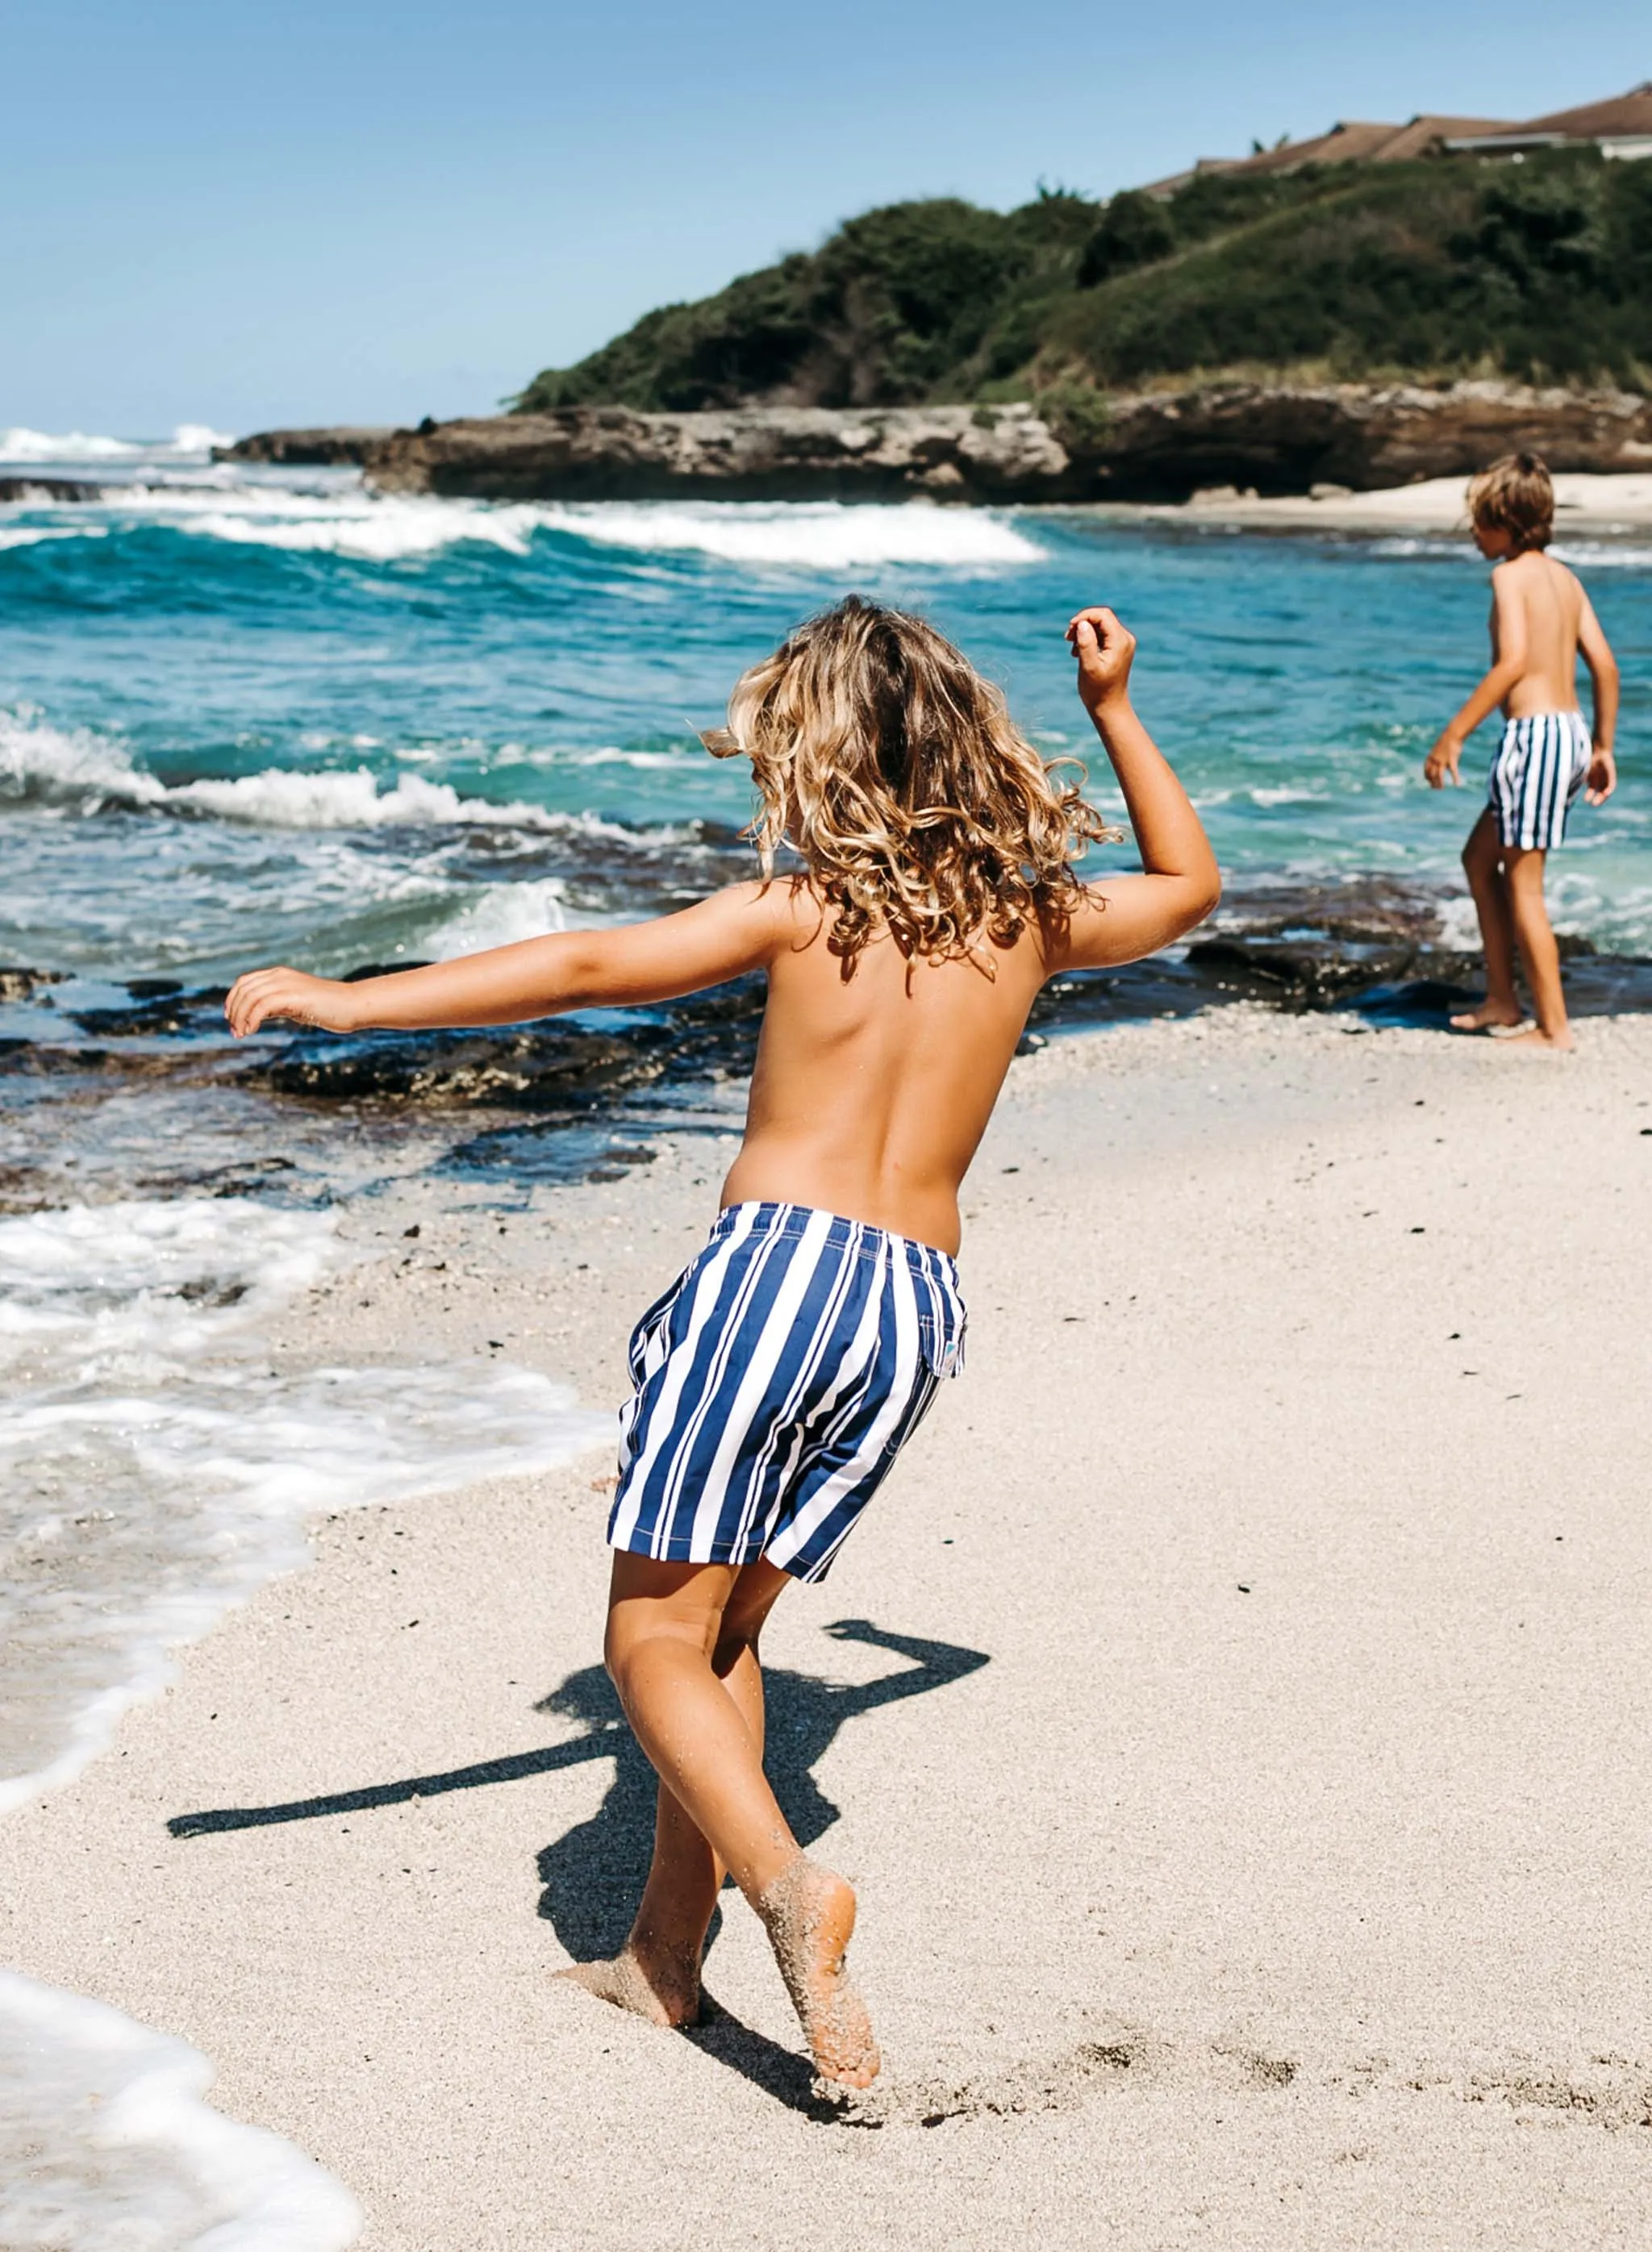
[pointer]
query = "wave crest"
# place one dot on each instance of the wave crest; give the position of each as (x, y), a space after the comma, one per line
(81, 770)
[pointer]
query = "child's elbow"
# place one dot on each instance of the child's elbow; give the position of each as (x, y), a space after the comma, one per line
(1204, 896)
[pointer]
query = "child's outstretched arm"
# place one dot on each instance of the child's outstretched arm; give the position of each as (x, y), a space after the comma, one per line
(1508, 639)
(718, 938)
(1129, 916)
(1602, 777)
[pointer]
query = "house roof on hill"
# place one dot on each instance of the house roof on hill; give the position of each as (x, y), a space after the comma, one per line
(1348, 142)
(1427, 132)
(1625, 118)
(1628, 115)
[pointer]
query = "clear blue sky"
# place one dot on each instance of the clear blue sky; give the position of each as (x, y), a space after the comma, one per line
(247, 212)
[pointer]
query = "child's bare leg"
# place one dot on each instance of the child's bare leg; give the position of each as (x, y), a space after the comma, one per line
(1483, 861)
(665, 1625)
(1538, 951)
(657, 1971)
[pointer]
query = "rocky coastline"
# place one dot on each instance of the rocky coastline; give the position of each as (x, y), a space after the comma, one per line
(1160, 445)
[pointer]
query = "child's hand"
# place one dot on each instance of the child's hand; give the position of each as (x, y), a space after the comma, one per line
(1602, 777)
(1442, 762)
(262, 994)
(1104, 649)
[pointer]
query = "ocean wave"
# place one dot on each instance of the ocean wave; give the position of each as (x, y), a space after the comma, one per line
(829, 535)
(500, 915)
(189, 439)
(105, 2140)
(80, 769)
(1603, 554)
(823, 535)
(29, 535)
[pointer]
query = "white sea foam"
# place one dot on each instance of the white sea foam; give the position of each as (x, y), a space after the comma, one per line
(158, 1471)
(1603, 554)
(20, 444)
(348, 520)
(107, 2146)
(498, 916)
(157, 1468)
(78, 767)
(824, 535)
(188, 440)
(29, 535)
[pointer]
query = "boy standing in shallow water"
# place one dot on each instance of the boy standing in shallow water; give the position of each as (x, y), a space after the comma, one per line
(1540, 619)
(776, 1380)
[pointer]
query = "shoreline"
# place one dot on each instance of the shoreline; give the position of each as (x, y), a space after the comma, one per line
(1206, 1950)
(1619, 503)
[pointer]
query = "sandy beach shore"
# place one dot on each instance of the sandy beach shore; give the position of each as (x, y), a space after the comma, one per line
(1587, 505)
(1235, 1713)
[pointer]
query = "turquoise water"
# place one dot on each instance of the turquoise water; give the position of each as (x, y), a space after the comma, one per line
(246, 715)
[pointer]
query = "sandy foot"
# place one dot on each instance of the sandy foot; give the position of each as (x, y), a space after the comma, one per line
(1548, 1043)
(1487, 1016)
(810, 1914)
(666, 1991)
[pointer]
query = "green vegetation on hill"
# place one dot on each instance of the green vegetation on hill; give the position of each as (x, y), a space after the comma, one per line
(1539, 271)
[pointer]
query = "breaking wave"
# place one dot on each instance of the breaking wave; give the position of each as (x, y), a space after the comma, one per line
(350, 521)
(80, 769)
(823, 536)
(188, 440)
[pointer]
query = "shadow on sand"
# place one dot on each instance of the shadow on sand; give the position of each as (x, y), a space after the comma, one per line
(592, 1875)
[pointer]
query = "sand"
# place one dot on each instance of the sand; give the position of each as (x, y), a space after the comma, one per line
(1235, 1716)
(1586, 505)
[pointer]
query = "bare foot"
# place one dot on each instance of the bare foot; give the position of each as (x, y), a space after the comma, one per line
(1553, 1043)
(809, 1914)
(664, 1989)
(1488, 1014)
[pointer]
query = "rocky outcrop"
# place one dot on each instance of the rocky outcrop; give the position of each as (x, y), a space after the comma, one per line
(1159, 445)
(759, 453)
(338, 446)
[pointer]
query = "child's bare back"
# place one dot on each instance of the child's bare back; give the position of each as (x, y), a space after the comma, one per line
(1538, 611)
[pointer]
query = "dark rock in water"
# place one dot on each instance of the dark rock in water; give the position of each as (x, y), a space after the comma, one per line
(321, 448)
(29, 491)
(1317, 970)
(158, 1008)
(508, 1070)
(18, 982)
(1140, 446)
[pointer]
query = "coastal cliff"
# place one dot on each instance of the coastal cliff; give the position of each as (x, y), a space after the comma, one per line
(1159, 445)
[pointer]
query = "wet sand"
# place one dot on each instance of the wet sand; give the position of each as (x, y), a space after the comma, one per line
(1234, 1714)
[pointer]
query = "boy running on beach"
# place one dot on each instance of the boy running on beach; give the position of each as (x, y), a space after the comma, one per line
(1540, 619)
(778, 1377)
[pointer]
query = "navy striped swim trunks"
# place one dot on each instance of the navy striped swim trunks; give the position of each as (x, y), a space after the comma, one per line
(775, 1382)
(1537, 772)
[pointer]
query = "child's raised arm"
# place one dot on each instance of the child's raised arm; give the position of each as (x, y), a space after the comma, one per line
(718, 938)
(1602, 777)
(1129, 916)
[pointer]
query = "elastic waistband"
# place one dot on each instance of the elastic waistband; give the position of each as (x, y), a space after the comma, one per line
(835, 1232)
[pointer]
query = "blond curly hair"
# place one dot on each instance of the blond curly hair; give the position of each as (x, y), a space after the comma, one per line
(896, 774)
